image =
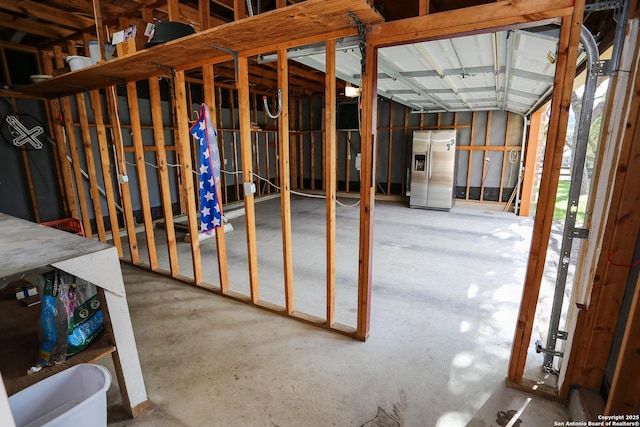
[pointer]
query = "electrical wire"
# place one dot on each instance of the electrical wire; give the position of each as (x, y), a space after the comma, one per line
(255, 175)
(266, 106)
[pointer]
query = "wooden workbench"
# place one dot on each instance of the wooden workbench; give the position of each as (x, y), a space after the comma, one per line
(27, 247)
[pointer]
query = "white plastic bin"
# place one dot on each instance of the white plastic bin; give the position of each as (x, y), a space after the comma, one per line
(74, 397)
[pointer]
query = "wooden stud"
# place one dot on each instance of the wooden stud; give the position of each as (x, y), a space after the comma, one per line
(183, 144)
(247, 174)
(330, 172)
(348, 161)
(129, 221)
(255, 142)
(105, 163)
(529, 162)
(505, 155)
(163, 175)
(367, 193)
(485, 159)
(470, 162)
(221, 246)
(281, 3)
(390, 151)
(141, 169)
(404, 150)
(284, 182)
(204, 7)
(563, 84)
(91, 167)
(234, 146)
(300, 144)
(239, 9)
(65, 104)
(423, 7)
(63, 168)
(624, 396)
(293, 145)
(313, 147)
(223, 176)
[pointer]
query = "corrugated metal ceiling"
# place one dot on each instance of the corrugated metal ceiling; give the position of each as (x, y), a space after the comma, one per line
(508, 70)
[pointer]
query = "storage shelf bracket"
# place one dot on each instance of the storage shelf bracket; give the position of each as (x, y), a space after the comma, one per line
(230, 52)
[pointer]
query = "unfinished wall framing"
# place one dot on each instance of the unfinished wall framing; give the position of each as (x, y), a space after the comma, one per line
(112, 131)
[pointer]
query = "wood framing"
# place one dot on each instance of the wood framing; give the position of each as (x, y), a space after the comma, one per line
(331, 153)
(247, 175)
(624, 397)
(183, 144)
(367, 192)
(485, 159)
(210, 100)
(617, 133)
(163, 175)
(284, 182)
(121, 168)
(141, 170)
(105, 163)
(469, 20)
(533, 139)
(563, 86)
(91, 166)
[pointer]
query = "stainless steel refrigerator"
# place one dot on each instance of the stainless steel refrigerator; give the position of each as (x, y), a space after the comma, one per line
(433, 169)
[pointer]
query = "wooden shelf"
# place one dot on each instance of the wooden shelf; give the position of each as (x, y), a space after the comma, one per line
(19, 345)
(295, 25)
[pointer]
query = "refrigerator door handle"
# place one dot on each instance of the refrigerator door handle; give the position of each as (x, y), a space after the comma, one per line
(429, 158)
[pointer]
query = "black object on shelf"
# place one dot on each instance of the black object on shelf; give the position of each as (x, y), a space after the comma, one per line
(168, 30)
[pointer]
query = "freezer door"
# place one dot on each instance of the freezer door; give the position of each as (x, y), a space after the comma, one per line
(419, 169)
(441, 166)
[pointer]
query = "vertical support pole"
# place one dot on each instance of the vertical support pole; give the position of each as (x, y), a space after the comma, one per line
(470, 164)
(298, 118)
(210, 100)
(530, 162)
(403, 190)
(163, 174)
(247, 174)
(141, 169)
(313, 146)
(285, 183)
(563, 85)
(505, 153)
(183, 144)
(485, 158)
(367, 193)
(330, 172)
(293, 147)
(348, 161)
(101, 132)
(129, 222)
(390, 149)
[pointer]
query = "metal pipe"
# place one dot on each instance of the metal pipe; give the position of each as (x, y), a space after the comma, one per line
(618, 39)
(525, 124)
(579, 153)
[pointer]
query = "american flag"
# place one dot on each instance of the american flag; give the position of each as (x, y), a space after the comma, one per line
(205, 134)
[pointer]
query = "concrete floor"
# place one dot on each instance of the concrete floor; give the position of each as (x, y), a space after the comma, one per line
(446, 291)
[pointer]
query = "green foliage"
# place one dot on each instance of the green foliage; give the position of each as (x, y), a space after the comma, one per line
(560, 211)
